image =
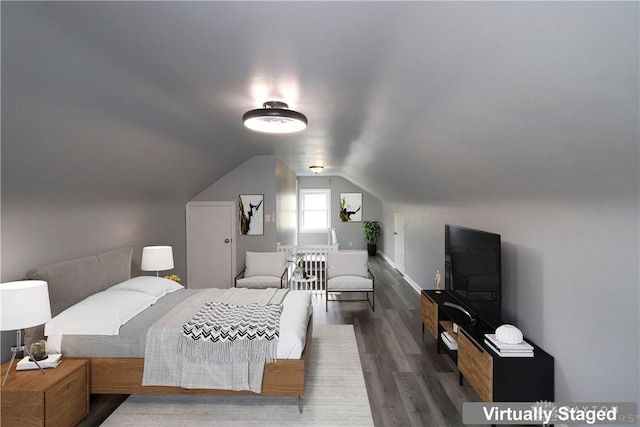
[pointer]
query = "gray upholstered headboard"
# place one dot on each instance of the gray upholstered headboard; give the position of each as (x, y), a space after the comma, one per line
(72, 281)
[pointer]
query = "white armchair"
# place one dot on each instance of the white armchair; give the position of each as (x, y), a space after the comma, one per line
(348, 271)
(263, 270)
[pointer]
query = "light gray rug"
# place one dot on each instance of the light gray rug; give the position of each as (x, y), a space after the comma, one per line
(335, 395)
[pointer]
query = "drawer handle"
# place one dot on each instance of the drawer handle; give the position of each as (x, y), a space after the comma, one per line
(472, 340)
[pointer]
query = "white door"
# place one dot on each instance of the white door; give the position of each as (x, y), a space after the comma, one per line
(211, 245)
(398, 241)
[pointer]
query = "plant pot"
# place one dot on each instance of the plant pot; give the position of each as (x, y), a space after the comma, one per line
(372, 248)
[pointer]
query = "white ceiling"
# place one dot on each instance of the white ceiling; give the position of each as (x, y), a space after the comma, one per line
(414, 101)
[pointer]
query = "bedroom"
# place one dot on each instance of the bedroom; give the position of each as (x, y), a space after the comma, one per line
(517, 118)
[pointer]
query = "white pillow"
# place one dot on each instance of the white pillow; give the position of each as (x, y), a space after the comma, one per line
(265, 264)
(150, 285)
(347, 263)
(99, 314)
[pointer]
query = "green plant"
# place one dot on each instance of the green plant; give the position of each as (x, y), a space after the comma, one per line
(371, 231)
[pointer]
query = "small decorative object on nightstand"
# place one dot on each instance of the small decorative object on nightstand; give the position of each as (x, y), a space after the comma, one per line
(438, 278)
(51, 361)
(39, 350)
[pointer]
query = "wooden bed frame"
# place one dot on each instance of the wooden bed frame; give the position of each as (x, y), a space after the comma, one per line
(72, 281)
(286, 377)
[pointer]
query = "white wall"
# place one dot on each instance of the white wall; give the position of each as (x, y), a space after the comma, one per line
(570, 281)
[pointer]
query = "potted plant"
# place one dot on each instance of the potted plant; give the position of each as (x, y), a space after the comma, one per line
(371, 234)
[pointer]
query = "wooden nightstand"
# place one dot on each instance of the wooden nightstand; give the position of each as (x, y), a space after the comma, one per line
(60, 397)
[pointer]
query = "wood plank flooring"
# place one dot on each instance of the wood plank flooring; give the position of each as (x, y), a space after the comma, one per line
(408, 383)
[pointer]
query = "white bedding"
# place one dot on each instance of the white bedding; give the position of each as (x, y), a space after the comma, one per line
(81, 319)
(293, 324)
(99, 314)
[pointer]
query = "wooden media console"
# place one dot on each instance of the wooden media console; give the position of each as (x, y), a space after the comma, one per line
(494, 378)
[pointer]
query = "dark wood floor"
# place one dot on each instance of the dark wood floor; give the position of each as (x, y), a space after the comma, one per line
(408, 383)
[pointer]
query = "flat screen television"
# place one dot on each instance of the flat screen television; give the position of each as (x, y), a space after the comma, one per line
(473, 271)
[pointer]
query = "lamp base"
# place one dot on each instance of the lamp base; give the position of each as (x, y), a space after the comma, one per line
(14, 351)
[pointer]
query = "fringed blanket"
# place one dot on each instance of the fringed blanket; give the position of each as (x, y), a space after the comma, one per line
(227, 333)
(164, 364)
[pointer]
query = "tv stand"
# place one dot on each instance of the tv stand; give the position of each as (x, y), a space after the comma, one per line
(494, 378)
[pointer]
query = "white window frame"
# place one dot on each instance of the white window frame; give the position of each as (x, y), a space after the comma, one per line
(301, 193)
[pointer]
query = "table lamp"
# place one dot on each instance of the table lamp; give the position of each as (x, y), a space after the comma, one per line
(157, 258)
(24, 304)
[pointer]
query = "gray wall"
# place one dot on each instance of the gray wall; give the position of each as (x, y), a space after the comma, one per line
(83, 173)
(286, 204)
(570, 280)
(258, 176)
(48, 224)
(42, 230)
(350, 234)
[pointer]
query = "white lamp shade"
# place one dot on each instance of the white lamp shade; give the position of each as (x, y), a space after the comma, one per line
(157, 258)
(24, 304)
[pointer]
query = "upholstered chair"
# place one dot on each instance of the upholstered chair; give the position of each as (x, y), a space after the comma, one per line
(263, 270)
(348, 271)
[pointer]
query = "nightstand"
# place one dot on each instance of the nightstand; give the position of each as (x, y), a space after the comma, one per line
(59, 397)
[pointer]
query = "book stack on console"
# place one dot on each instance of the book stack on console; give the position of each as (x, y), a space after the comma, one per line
(51, 361)
(449, 341)
(522, 349)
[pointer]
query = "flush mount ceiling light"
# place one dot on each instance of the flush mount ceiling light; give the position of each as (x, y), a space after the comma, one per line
(316, 169)
(274, 117)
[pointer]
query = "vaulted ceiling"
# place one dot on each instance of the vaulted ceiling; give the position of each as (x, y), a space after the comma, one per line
(413, 101)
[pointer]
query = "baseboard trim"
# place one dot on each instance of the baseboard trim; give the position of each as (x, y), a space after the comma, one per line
(406, 277)
(386, 258)
(413, 284)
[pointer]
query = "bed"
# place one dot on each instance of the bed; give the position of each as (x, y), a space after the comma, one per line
(117, 371)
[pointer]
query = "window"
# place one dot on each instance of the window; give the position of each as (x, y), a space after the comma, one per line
(315, 209)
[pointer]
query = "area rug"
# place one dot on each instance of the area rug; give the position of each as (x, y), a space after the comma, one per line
(335, 395)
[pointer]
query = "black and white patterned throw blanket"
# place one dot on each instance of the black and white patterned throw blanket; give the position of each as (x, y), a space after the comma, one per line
(165, 340)
(226, 333)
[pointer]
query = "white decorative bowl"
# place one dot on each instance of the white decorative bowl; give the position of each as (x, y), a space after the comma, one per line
(509, 334)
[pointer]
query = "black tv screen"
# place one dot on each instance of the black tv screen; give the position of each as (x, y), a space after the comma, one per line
(473, 272)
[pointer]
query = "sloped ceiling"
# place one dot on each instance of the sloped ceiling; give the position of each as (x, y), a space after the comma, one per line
(415, 101)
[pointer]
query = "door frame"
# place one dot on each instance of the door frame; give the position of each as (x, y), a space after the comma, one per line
(230, 204)
(403, 267)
